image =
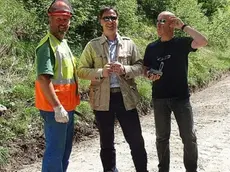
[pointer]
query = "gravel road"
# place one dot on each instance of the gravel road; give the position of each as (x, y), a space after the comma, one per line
(212, 123)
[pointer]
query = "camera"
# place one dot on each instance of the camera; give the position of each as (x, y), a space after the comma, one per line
(154, 72)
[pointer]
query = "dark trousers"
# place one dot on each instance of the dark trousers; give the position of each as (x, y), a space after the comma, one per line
(183, 114)
(130, 125)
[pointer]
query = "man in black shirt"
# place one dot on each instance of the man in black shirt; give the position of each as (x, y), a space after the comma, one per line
(166, 63)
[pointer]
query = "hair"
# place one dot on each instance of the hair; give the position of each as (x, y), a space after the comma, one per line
(168, 13)
(104, 9)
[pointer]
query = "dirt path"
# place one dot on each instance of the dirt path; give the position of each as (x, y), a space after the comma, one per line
(212, 122)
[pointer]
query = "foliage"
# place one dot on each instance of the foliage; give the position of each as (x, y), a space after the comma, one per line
(189, 11)
(84, 85)
(206, 65)
(142, 38)
(128, 20)
(151, 8)
(85, 23)
(38, 8)
(86, 111)
(219, 29)
(210, 7)
(13, 27)
(24, 22)
(4, 155)
(16, 27)
(144, 88)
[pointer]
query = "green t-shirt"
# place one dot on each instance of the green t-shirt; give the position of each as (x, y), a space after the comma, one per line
(45, 59)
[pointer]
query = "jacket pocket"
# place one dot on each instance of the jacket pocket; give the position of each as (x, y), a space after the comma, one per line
(94, 96)
(132, 95)
(99, 61)
(125, 58)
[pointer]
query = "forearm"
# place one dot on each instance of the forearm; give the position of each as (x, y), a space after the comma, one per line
(89, 73)
(200, 40)
(86, 69)
(131, 71)
(48, 90)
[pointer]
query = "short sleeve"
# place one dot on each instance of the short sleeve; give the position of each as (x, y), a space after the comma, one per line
(45, 60)
(187, 42)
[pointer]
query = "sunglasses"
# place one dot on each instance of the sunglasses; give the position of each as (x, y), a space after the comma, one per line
(161, 21)
(109, 18)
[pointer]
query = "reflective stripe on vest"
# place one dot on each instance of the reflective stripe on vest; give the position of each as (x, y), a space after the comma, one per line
(64, 79)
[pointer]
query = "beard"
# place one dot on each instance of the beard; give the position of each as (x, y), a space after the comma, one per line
(62, 29)
(60, 33)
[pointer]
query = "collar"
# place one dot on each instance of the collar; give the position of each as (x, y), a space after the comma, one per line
(104, 39)
(54, 37)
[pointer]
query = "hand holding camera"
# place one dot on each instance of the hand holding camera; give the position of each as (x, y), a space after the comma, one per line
(117, 68)
(154, 74)
(106, 71)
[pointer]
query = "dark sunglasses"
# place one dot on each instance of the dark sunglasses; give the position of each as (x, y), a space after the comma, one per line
(161, 21)
(108, 18)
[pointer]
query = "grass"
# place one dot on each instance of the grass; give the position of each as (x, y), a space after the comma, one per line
(17, 76)
(22, 118)
(4, 155)
(206, 65)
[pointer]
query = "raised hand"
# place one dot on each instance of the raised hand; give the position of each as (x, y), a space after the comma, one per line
(175, 22)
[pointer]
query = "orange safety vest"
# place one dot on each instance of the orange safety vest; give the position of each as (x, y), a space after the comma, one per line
(65, 80)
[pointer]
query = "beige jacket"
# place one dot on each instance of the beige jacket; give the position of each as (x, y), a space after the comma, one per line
(92, 61)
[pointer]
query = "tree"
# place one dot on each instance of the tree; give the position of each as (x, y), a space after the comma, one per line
(151, 8)
(211, 6)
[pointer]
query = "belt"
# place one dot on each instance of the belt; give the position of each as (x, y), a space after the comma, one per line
(115, 90)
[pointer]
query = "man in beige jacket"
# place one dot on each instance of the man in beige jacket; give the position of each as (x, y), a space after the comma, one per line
(111, 62)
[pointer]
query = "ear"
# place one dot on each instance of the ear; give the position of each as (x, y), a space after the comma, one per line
(49, 19)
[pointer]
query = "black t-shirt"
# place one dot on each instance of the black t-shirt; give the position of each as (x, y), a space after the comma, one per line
(172, 57)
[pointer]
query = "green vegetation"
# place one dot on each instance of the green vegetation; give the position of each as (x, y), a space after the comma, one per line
(24, 22)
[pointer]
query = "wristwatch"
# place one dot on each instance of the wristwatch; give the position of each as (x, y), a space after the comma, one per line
(182, 28)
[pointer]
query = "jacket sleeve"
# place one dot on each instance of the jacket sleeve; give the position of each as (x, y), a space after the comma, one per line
(86, 68)
(136, 68)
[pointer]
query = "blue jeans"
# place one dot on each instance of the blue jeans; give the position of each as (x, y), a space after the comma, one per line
(58, 140)
(130, 125)
(183, 114)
